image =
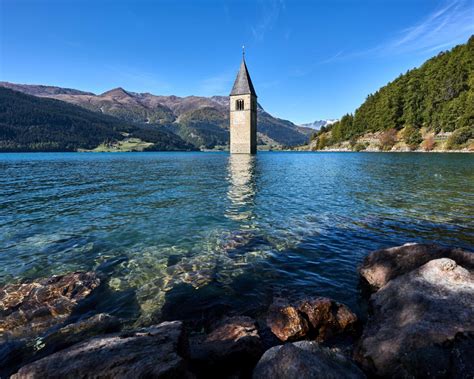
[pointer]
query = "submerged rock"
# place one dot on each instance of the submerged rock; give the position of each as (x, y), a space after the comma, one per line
(305, 360)
(28, 309)
(380, 266)
(317, 318)
(159, 351)
(234, 346)
(416, 317)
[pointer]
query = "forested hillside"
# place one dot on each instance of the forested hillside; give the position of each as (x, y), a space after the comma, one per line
(430, 102)
(29, 123)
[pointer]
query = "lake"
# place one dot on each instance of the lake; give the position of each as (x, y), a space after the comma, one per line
(182, 235)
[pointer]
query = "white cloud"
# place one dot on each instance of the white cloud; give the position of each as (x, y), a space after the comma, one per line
(453, 23)
(270, 12)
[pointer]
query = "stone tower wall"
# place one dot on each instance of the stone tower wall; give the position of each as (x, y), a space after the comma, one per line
(243, 125)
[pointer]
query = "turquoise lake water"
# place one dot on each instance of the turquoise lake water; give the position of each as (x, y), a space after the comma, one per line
(179, 235)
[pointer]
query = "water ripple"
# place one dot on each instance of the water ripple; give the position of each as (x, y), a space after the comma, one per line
(183, 233)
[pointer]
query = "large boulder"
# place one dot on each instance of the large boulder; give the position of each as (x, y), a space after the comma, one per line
(71, 334)
(16, 352)
(27, 309)
(417, 319)
(305, 360)
(12, 354)
(233, 346)
(317, 318)
(452, 359)
(380, 266)
(159, 351)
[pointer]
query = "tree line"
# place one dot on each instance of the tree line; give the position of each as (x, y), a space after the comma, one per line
(438, 96)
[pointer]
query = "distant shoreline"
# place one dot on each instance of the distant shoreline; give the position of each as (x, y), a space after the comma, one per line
(260, 151)
(394, 151)
(383, 151)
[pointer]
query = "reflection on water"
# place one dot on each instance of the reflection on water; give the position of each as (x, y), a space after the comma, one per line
(222, 257)
(242, 188)
(187, 233)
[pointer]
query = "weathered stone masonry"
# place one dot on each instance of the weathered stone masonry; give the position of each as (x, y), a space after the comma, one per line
(243, 114)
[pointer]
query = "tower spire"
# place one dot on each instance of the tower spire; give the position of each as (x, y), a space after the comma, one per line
(243, 84)
(243, 112)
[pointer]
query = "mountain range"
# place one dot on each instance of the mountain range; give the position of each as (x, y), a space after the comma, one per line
(318, 124)
(202, 122)
(30, 123)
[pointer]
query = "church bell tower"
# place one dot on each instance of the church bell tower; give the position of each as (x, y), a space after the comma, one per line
(243, 113)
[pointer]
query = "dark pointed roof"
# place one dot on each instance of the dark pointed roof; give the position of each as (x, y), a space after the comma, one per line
(243, 84)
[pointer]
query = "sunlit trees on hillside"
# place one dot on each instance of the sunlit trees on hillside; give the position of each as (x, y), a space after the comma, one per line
(438, 96)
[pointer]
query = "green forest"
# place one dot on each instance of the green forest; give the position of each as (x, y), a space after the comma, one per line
(29, 123)
(437, 97)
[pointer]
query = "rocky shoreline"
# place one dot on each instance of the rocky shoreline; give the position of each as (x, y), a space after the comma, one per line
(307, 148)
(396, 151)
(420, 323)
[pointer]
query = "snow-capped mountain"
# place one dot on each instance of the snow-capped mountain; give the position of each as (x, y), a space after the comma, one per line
(316, 125)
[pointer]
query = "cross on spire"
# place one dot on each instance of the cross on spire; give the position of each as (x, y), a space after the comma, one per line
(243, 51)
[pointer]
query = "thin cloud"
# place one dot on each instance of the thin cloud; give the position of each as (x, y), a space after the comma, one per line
(299, 72)
(217, 84)
(447, 26)
(269, 84)
(270, 13)
(137, 78)
(334, 58)
(227, 16)
(451, 24)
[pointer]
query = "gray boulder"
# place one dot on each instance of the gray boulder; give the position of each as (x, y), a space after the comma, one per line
(232, 347)
(12, 354)
(451, 359)
(17, 352)
(380, 266)
(71, 334)
(305, 360)
(417, 318)
(159, 351)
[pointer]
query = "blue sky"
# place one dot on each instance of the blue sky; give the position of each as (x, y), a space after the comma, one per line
(308, 59)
